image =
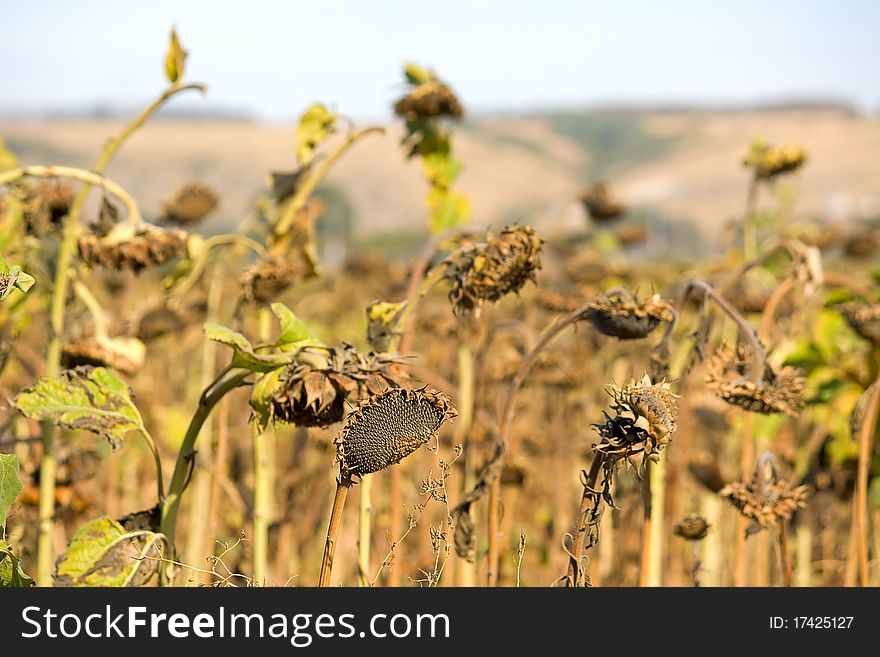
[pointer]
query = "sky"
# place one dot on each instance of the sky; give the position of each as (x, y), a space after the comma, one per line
(271, 59)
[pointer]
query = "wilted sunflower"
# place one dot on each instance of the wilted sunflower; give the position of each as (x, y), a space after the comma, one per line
(693, 528)
(772, 161)
(312, 392)
(490, 271)
(599, 203)
(389, 426)
(778, 392)
(864, 319)
(102, 353)
(429, 100)
(624, 317)
(45, 204)
(644, 420)
(189, 204)
(264, 281)
(765, 504)
(123, 249)
(863, 243)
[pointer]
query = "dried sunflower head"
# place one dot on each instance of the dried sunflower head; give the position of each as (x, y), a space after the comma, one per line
(769, 162)
(629, 235)
(125, 249)
(490, 271)
(864, 319)
(312, 392)
(693, 528)
(599, 203)
(765, 504)
(644, 420)
(429, 100)
(863, 243)
(264, 281)
(123, 355)
(189, 204)
(389, 426)
(779, 391)
(624, 317)
(45, 205)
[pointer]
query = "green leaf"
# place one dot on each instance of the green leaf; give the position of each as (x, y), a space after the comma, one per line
(293, 330)
(315, 125)
(417, 75)
(12, 278)
(261, 398)
(11, 574)
(448, 210)
(440, 169)
(244, 355)
(103, 553)
(10, 484)
(175, 59)
(95, 400)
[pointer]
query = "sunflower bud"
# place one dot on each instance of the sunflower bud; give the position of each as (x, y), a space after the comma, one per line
(624, 317)
(188, 204)
(487, 273)
(390, 426)
(779, 391)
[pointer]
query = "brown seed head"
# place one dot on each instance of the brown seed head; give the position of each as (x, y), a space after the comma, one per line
(264, 281)
(644, 420)
(779, 391)
(95, 354)
(778, 501)
(625, 318)
(864, 319)
(148, 247)
(487, 273)
(45, 205)
(389, 426)
(189, 204)
(431, 99)
(693, 528)
(314, 394)
(599, 203)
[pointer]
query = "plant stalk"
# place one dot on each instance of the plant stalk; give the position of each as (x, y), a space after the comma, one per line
(343, 483)
(264, 467)
(365, 512)
(227, 381)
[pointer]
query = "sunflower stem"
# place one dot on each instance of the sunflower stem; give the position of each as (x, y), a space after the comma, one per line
(591, 502)
(264, 468)
(365, 511)
(343, 483)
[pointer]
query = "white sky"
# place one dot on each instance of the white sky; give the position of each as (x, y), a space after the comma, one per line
(271, 59)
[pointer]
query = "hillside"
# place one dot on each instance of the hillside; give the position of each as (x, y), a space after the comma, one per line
(679, 165)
